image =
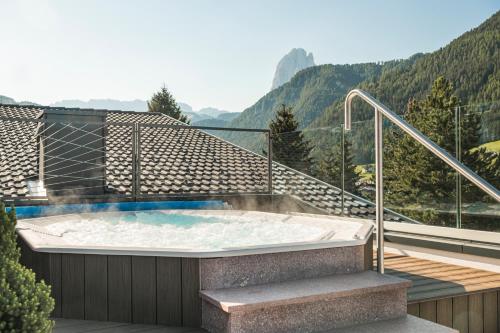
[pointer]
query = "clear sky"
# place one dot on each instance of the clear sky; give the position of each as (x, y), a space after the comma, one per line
(219, 53)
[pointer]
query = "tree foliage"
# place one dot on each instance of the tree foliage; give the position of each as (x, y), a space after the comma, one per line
(25, 304)
(289, 146)
(8, 237)
(163, 102)
(413, 174)
(330, 167)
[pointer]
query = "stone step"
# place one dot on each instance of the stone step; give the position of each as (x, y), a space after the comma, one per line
(257, 269)
(309, 305)
(407, 324)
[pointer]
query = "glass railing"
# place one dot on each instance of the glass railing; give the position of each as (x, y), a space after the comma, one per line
(417, 184)
(479, 147)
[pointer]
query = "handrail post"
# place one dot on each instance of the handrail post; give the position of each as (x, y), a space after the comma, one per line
(379, 191)
(342, 183)
(458, 155)
(136, 177)
(269, 162)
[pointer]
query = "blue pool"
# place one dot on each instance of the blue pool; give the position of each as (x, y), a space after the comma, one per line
(50, 210)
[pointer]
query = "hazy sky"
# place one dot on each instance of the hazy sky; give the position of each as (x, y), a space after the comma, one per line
(208, 53)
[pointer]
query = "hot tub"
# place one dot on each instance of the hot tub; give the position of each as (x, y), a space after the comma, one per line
(149, 266)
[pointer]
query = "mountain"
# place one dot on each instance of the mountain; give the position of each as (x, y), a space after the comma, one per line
(185, 108)
(9, 100)
(204, 117)
(212, 112)
(471, 62)
(309, 92)
(109, 104)
(228, 116)
(222, 120)
(6, 100)
(296, 60)
(208, 116)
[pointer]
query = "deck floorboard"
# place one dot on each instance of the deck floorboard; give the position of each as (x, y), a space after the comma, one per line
(434, 280)
(83, 326)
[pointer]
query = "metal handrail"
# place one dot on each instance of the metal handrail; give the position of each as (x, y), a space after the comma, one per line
(380, 111)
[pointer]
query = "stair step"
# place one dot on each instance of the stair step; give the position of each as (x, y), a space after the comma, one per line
(301, 291)
(407, 324)
(308, 305)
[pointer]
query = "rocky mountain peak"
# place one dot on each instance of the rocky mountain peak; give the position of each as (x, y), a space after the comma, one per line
(290, 64)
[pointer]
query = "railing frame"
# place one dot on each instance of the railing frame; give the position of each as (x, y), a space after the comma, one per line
(135, 127)
(382, 111)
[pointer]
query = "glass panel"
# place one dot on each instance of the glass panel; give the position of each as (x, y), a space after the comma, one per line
(418, 184)
(480, 151)
(177, 160)
(310, 174)
(359, 156)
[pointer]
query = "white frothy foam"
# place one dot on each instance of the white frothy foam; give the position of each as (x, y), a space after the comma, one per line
(180, 231)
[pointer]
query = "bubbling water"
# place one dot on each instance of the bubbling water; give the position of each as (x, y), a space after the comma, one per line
(156, 229)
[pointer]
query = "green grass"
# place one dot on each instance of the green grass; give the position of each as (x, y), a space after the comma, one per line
(362, 171)
(492, 146)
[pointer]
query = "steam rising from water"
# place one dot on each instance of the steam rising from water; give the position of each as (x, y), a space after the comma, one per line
(198, 232)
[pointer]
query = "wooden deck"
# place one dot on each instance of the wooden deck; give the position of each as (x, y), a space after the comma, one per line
(82, 326)
(464, 298)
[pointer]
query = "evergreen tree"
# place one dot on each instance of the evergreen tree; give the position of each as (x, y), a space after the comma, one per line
(289, 146)
(413, 174)
(8, 245)
(330, 168)
(25, 304)
(164, 102)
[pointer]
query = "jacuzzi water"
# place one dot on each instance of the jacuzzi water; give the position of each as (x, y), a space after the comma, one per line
(196, 230)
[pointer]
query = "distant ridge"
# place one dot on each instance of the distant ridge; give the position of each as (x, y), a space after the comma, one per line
(208, 116)
(108, 104)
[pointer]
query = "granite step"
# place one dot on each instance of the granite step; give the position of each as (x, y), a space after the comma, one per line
(309, 305)
(407, 324)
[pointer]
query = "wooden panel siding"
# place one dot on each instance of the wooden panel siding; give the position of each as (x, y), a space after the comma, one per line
(143, 290)
(491, 312)
(55, 281)
(191, 302)
(120, 288)
(73, 286)
(444, 311)
(96, 287)
(169, 291)
(127, 289)
(464, 298)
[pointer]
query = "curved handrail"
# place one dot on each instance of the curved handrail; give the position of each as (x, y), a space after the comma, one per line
(417, 135)
(380, 111)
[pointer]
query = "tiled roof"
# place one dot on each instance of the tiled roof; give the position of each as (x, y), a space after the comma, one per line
(18, 150)
(172, 161)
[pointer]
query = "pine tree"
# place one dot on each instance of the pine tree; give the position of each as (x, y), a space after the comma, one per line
(8, 244)
(25, 303)
(330, 168)
(165, 103)
(412, 173)
(289, 146)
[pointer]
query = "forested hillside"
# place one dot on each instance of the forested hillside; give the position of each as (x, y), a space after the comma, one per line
(309, 92)
(470, 62)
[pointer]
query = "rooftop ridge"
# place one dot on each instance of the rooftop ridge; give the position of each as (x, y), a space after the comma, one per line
(78, 109)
